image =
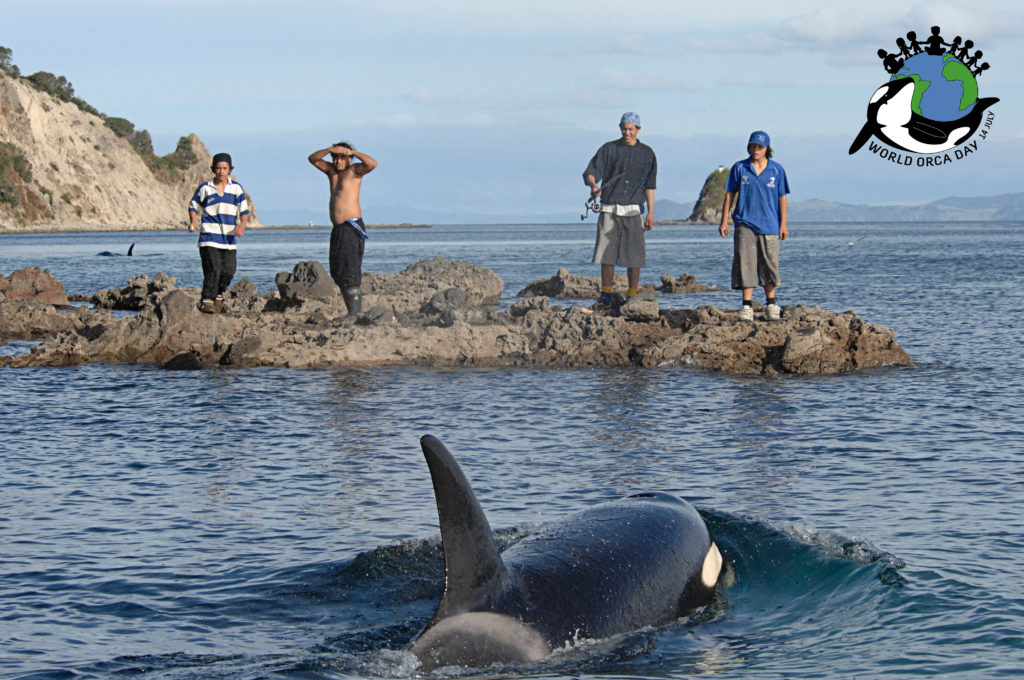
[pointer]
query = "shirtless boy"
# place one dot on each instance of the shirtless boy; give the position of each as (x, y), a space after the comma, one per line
(348, 238)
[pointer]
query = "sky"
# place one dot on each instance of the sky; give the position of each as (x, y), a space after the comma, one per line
(480, 109)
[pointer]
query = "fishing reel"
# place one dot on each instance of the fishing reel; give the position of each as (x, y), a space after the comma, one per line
(593, 205)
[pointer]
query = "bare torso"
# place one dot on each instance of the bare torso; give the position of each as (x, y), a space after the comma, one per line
(345, 194)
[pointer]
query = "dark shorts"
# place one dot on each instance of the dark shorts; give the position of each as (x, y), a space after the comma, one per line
(620, 241)
(346, 255)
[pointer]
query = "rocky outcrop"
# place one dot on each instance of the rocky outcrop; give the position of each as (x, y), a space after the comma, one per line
(806, 341)
(437, 312)
(74, 172)
(708, 208)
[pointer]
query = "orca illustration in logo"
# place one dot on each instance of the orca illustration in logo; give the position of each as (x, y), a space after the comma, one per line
(892, 119)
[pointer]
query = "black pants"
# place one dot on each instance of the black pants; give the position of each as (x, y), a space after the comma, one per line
(218, 270)
(346, 255)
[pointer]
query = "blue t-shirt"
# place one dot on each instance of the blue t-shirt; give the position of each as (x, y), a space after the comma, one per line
(757, 203)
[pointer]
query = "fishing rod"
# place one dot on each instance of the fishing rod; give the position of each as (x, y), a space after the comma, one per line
(593, 203)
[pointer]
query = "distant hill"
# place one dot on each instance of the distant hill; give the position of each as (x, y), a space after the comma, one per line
(707, 209)
(665, 209)
(981, 208)
(1005, 207)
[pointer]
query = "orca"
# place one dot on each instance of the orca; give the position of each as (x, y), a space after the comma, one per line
(107, 253)
(617, 567)
(891, 119)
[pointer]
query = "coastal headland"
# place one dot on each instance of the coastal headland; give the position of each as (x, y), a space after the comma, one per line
(436, 312)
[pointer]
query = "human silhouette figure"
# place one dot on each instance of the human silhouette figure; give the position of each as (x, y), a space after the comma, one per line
(955, 45)
(902, 44)
(983, 67)
(935, 44)
(973, 60)
(968, 44)
(890, 62)
(914, 45)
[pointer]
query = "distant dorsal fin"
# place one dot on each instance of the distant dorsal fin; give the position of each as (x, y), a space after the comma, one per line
(473, 566)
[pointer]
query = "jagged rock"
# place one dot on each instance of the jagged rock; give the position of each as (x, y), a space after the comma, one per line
(807, 340)
(687, 283)
(410, 289)
(29, 320)
(531, 304)
(307, 281)
(444, 301)
(32, 284)
(641, 307)
(139, 292)
(437, 313)
(573, 286)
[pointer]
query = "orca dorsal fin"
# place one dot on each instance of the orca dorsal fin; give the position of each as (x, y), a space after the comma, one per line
(472, 563)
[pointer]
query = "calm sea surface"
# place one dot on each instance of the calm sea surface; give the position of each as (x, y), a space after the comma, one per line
(275, 523)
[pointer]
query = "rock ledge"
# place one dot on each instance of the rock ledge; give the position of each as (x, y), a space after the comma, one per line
(437, 312)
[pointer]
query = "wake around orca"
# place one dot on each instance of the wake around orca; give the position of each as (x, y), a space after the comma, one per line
(644, 560)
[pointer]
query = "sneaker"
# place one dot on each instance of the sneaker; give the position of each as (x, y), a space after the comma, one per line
(206, 307)
(746, 313)
(605, 299)
(773, 312)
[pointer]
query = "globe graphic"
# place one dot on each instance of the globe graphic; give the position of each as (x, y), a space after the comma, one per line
(944, 89)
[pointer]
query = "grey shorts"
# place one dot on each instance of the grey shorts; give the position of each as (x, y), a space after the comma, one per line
(755, 258)
(620, 241)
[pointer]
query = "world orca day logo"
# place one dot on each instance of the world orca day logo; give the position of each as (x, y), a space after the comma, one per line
(930, 105)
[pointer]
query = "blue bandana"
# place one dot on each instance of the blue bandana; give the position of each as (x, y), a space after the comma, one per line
(631, 118)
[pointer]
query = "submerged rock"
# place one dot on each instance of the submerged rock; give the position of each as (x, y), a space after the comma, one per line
(436, 312)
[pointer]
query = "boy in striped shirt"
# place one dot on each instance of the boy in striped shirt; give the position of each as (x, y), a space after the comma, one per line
(224, 213)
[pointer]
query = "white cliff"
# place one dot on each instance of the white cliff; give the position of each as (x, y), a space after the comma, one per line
(80, 174)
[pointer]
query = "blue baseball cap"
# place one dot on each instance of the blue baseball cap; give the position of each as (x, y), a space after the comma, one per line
(760, 138)
(631, 118)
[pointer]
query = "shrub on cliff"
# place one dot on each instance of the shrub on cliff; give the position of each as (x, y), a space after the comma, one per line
(6, 65)
(13, 166)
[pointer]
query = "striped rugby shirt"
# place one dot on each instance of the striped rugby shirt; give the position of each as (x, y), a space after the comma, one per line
(219, 213)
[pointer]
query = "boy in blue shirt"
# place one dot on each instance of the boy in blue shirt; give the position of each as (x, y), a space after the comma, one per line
(757, 187)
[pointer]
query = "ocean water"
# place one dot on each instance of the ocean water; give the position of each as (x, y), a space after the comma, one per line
(274, 523)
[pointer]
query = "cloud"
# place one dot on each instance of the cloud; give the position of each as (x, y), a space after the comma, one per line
(631, 81)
